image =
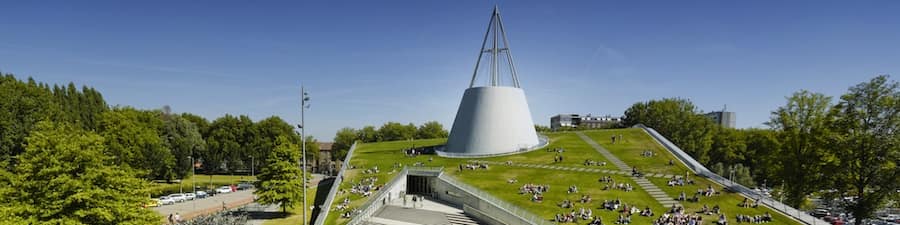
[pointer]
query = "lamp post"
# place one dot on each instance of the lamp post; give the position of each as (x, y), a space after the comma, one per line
(194, 186)
(304, 97)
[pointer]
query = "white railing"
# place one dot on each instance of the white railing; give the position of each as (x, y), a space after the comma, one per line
(731, 185)
(365, 211)
(514, 210)
(543, 141)
(335, 186)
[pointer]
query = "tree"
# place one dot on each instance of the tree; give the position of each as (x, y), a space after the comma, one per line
(369, 134)
(267, 131)
(431, 129)
(343, 140)
(312, 150)
(225, 136)
(728, 146)
(803, 125)
(133, 140)
(184, 139)
(280, 181)
(763, 155)
(868, 145)
(65, 177)
(679, 120)
(393, 131)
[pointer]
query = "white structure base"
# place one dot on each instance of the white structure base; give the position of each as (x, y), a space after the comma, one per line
(491, 121)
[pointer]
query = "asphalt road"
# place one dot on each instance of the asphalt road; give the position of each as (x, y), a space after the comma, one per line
(197, 207)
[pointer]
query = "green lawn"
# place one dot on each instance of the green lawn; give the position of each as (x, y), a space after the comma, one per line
(494, 181)
(296, 216)
(629, 150)
(727, 201)
(574, 155)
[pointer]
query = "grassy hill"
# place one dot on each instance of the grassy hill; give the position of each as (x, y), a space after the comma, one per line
(539, 167)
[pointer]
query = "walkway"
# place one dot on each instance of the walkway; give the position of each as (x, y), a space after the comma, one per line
(651, 189)
(573, 169)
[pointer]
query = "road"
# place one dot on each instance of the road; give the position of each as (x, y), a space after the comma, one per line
(198, 207)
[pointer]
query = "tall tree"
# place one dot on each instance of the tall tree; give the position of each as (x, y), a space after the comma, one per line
(225, 136)
(431, 129)
(803, 125)
(280, 181)
(267, 131)
(64, 177)
(343, 140)
(369, 134)
(133, 139)
(393, 131)
(22, 105)
(868, 145)
(183, 138)
(679, 120)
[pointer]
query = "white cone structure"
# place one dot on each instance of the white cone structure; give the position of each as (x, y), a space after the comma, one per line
(493, 119)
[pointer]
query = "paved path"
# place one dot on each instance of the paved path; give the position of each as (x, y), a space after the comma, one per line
(573, 169)
(198, 207)
(651, 189)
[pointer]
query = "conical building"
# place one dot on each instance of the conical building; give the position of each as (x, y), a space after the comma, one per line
(493, 119)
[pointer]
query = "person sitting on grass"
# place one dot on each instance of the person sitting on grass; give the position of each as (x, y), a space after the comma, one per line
(572, 189)
(647, 212)
(585, 199)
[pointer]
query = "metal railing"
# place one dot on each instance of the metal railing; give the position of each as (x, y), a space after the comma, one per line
(731, 185)
(514, 210)
(366, 210)
(335, 186)
(543, 141)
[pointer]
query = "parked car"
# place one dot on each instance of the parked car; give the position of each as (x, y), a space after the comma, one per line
(166, 200)
(178, 197)
(201, 194)
(244, 186)
(190, 196)
(154, 202)
(223, 189)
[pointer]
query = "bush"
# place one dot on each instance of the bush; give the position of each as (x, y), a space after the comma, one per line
(225, 218)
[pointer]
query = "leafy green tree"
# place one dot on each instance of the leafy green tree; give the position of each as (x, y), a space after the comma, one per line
(728, 146)
(868, 145)
(65, 177)
(343, 140)
(184, 139)
(280, 181)
(22, 105)
(677, 119)
(431, 129)
(393, 131)
(225, 136)
(369, 134)
(312, 150)
(763, 155)
(133, 140)
(803, 125)
(267, 130)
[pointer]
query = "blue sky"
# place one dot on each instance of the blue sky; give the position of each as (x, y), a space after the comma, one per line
(368, 62)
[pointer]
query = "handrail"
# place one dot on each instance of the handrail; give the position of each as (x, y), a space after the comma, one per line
(367, 209)
(731, 185)
(500, 204)
(326, 207)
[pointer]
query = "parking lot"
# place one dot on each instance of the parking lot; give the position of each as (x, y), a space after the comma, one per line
(197, 207)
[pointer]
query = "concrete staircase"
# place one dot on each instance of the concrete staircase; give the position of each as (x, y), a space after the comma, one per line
(664, 199)
(461, 219)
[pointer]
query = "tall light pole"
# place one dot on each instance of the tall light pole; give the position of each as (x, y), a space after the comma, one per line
(304, 97)
(194, 186)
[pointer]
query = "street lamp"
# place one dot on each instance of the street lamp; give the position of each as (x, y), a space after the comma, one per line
(194, 186)
(304, 98)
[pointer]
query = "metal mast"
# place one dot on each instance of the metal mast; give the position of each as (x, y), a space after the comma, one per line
(499, 45)
(304, 97)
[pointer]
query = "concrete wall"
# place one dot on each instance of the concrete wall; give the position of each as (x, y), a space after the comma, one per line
(492, 120)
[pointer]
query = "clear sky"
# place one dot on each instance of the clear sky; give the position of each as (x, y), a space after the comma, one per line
(368, 62)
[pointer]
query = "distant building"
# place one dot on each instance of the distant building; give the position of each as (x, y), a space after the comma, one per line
(723, 118)
(587, 121)
(325, 165)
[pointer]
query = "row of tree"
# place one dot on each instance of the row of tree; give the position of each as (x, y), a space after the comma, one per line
(390, 131)
(66, 157)
(851, 147)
